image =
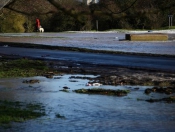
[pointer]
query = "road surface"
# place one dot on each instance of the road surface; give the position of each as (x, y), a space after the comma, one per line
(148, 62)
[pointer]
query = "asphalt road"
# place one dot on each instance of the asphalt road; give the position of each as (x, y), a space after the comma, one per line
(148, 62)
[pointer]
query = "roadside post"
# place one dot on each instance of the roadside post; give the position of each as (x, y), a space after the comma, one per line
(170, 20)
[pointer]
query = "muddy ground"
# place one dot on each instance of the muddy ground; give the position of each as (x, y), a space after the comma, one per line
(113, 75)
(109, 74)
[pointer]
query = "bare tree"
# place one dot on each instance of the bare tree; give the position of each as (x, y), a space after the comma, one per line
(116, 6)
(3, 3)
(31, 7)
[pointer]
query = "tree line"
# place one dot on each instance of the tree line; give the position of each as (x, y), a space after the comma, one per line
(73, 15)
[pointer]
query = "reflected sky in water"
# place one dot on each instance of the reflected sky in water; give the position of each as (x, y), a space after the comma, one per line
(85, 112)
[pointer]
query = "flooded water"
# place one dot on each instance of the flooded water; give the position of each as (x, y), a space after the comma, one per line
(83, 112)
(87, 113)
(96, 41)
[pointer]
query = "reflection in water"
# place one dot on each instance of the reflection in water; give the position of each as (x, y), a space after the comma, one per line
(84, 112)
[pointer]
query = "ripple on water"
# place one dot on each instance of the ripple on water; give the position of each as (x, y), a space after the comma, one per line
(85, 112)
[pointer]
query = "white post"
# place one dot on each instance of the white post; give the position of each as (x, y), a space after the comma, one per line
(170, 20)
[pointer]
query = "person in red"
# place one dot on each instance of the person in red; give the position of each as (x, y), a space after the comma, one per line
(37, 24)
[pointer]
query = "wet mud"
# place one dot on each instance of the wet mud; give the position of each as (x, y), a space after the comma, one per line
(108, 74)
(113, 75)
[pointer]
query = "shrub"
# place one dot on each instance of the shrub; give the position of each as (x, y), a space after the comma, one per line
(12, 22)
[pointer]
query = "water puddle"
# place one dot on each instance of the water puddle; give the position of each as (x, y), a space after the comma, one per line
(83, 112)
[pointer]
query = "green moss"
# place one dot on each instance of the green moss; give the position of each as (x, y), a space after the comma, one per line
(22, 68)
(103, 91)
(170, 99)
(19, 112)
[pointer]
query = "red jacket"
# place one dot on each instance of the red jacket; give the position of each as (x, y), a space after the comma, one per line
(37, 23)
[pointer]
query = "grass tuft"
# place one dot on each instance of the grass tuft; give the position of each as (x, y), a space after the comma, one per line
(19, 112)
(21, 68)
